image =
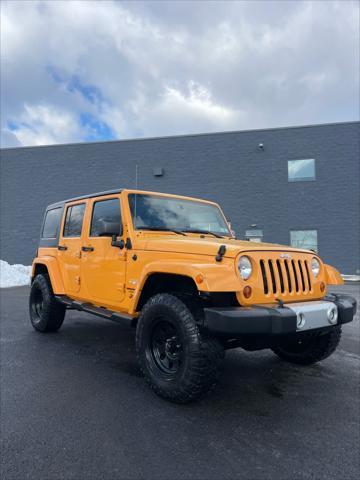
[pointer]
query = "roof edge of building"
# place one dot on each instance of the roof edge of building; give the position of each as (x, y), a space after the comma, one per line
(185, 135)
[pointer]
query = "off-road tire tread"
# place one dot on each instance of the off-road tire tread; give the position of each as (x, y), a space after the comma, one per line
(53, 313)
(324, 346)
(206, 353)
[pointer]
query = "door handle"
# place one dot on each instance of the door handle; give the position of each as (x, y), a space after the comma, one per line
(87, 249)
(62, 247)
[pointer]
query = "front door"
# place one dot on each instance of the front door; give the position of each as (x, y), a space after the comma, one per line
(70, 247)
(103, 265)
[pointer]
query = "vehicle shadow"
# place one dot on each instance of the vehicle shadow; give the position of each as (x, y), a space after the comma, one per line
(252, 382)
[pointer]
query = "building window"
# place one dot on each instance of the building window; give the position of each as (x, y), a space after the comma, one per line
(301, 170)
(306, 239)
(254, 235)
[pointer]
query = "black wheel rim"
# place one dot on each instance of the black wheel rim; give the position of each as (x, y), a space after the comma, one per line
(38, 302)
(165, 348)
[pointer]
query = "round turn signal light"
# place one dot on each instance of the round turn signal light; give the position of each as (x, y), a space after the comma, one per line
(199, 278)
(247, 291)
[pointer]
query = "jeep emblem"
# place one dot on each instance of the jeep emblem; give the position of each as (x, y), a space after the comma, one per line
(285, 255)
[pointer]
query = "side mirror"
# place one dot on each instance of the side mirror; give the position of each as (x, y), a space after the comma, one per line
(117, 243)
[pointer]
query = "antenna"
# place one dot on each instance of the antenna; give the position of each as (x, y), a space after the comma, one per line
(136, 186)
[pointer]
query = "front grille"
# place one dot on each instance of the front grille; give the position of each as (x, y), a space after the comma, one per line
(285, 276)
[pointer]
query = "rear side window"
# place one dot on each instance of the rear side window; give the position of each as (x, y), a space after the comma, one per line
(74, 220)
(107, 211)
(51, 223)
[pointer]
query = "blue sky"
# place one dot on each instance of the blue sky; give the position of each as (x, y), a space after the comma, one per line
(88, 71)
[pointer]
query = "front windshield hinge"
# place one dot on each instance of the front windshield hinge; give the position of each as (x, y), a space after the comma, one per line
(221, 253)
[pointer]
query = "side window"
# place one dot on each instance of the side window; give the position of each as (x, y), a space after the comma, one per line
(74, 220)
(51, 223)
(105, 212)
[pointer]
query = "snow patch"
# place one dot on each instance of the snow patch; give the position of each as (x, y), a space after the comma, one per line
(14, 275)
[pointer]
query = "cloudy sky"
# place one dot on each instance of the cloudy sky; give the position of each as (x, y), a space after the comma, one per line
(85, 71)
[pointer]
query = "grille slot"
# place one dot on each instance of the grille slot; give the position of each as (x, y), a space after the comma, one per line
(308, 274)
(302, 276)
(288, 275)
(282, 286)
(285, 276)
(295, 275)
(263, 272)
(272, 273)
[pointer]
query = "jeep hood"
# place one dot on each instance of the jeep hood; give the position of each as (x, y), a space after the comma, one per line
(196, 245)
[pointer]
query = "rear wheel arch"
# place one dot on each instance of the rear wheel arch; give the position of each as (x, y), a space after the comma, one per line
(49, 266)
(40, 268)
(159, 282)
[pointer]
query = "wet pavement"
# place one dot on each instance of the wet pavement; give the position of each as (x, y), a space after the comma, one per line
(74, 406)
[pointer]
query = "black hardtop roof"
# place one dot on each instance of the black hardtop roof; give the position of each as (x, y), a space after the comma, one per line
(83, 197)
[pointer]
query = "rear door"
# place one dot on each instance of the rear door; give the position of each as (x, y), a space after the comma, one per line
(69, 247)
(103, 265)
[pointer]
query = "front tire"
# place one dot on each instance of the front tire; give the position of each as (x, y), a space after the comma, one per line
(46, 313)
(178, 362)
(304, 350)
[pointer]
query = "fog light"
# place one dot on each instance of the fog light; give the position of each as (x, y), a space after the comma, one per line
(247, 291)
(332, 315)
(300, 322)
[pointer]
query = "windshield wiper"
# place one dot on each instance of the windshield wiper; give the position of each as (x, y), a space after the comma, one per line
(163, 229)
(194, 230)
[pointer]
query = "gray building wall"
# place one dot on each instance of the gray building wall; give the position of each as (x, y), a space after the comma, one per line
(251, 184)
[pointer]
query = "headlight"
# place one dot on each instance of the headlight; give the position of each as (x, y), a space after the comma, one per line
(245, 268)
(315, 267)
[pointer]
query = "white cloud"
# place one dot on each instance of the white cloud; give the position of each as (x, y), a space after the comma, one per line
(193, 110)
(44, 125)
(198, 102)
(178, 67)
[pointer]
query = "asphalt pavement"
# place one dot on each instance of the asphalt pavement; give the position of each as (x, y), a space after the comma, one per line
(74, 406)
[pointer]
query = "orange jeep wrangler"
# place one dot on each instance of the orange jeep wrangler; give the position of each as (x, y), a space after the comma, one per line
(171, 267)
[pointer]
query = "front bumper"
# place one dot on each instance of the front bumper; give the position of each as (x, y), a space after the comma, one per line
(233, 322)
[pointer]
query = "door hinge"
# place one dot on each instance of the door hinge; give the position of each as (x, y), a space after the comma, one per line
(77, 280)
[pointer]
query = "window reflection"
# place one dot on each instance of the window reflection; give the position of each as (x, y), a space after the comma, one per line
(105, 211)
(306, 239)
(149, 211)
(74, 220)
(300, 170)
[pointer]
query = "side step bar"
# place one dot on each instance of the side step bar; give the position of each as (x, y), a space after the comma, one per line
(99, 311)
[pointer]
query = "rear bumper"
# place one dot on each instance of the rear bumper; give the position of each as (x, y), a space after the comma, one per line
(270, 321)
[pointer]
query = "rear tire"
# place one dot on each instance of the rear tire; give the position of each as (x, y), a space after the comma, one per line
(311, 350)
(46, 313)
(179, 363)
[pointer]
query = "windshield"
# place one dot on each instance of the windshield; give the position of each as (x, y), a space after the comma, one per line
(167, 213)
